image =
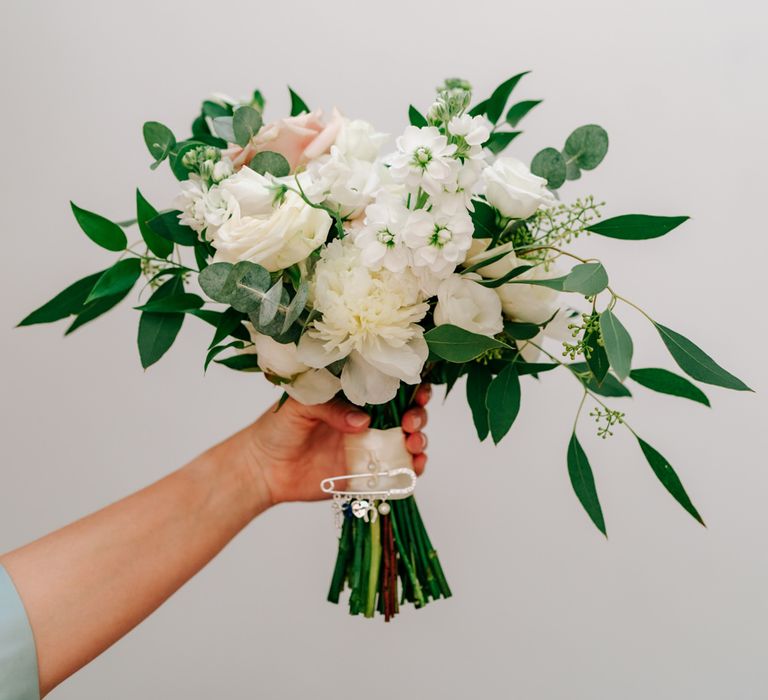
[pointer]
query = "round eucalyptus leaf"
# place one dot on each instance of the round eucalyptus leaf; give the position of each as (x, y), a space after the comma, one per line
(587, 146)
(550, 164)
(212, 280)
(270, 162)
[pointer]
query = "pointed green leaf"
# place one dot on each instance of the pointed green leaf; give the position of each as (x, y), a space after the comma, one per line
(668, 478)
(518, 111)
(636, 227)
(118, 278)
(583, 482)
(586, 146)
(168, 226)
(696, 363)
(67, 302)
(617, 342)
(457, 345)
(534, 368)
(503, 402)
(550, 164)
(96, 308)
(416, 118)
(498, 100)
(246, 122)
(159, 246)
(181, 303)
(609, 386)
(499, 140)
(587, 279)
(597, 361)
(666, 382)
(158, 331)
(246, 362)
(478, 380)
(100, 230)
(228, 323)
(270, 162)
(297, 104)
(521, 331)
(514, 272)
(215, 350)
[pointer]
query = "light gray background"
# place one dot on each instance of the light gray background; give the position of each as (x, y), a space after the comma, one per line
(544, 607)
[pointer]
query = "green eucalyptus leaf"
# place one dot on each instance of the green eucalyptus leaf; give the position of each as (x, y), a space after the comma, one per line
(478, 380)
(416, 118)
(168, 226)
(636, 227)
(597, 360)
(499, 140)
(245, 286)
(666, 382)
(518, 111)
(586, 146)
(457, 345)
(550, 164)
(297, 104)
(121, 276)
(161, 247)
(610, 385)
(668, 478)
(572, 170)
(213, 279)
(587, 279)
(583, 482)
(246, 123)
(695, 362)
(503, 402)
(160, 141)
(296, 306)
(270, 162)
(617, 342)
(224, 128)
(100, 230)
(158, 331)
(270, 304)
(498, 100)
(216, 109)
(67, 302)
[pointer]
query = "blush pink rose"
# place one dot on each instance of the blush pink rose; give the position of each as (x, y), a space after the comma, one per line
(299, 139)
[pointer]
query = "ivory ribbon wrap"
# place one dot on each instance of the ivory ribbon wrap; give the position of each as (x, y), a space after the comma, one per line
(375, 452)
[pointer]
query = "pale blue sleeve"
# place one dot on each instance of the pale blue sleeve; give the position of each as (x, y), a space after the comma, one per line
(18, 657)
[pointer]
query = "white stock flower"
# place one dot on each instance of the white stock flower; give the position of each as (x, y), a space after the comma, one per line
(475, 131)
(381, 237)
(514, 190)
(273, 234)
(440, 241)
(370, 317)
(305, 384)
(346, 184)
(462, 302)
(201, 206)
(425, 159)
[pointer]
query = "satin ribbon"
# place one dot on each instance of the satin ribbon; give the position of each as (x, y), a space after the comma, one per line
(375, 452)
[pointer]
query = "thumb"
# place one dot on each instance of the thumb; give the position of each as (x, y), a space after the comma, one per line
(338, 414)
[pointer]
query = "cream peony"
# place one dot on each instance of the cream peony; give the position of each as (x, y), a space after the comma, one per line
(306, 385)
(273, 234)
(368, 317)
(462, 302)
(511, 188)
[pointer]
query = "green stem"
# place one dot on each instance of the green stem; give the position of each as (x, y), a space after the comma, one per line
(417, 592)
(375, 566)
(342, 561)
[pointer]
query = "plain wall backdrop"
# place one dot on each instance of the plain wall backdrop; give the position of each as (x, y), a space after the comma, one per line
(544, 607)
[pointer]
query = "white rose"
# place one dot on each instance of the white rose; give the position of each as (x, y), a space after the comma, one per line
(479, 251)
(462, 302)
(358, 139)
(514, 190)
(530, 303)
(278, 238)
(306, 385)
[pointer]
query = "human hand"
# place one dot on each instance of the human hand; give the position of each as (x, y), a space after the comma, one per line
(290, 451)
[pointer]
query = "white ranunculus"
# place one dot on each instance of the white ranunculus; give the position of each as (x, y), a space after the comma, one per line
(370, 317)
(307, 385)
(277, 238)
(514, 190)
(531, 303)
(462, 302)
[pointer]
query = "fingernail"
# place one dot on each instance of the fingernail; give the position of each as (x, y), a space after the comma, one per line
(357, 419)
(416, 420)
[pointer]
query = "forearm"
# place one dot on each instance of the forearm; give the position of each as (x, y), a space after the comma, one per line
(88, 584)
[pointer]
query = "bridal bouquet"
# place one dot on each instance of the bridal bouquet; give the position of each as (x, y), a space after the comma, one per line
(337, 265)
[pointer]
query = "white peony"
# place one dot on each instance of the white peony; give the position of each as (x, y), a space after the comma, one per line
(368, 317)
(514, 190)
(306, 385)
(425, 159)
(462, 302)
(273, 234)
